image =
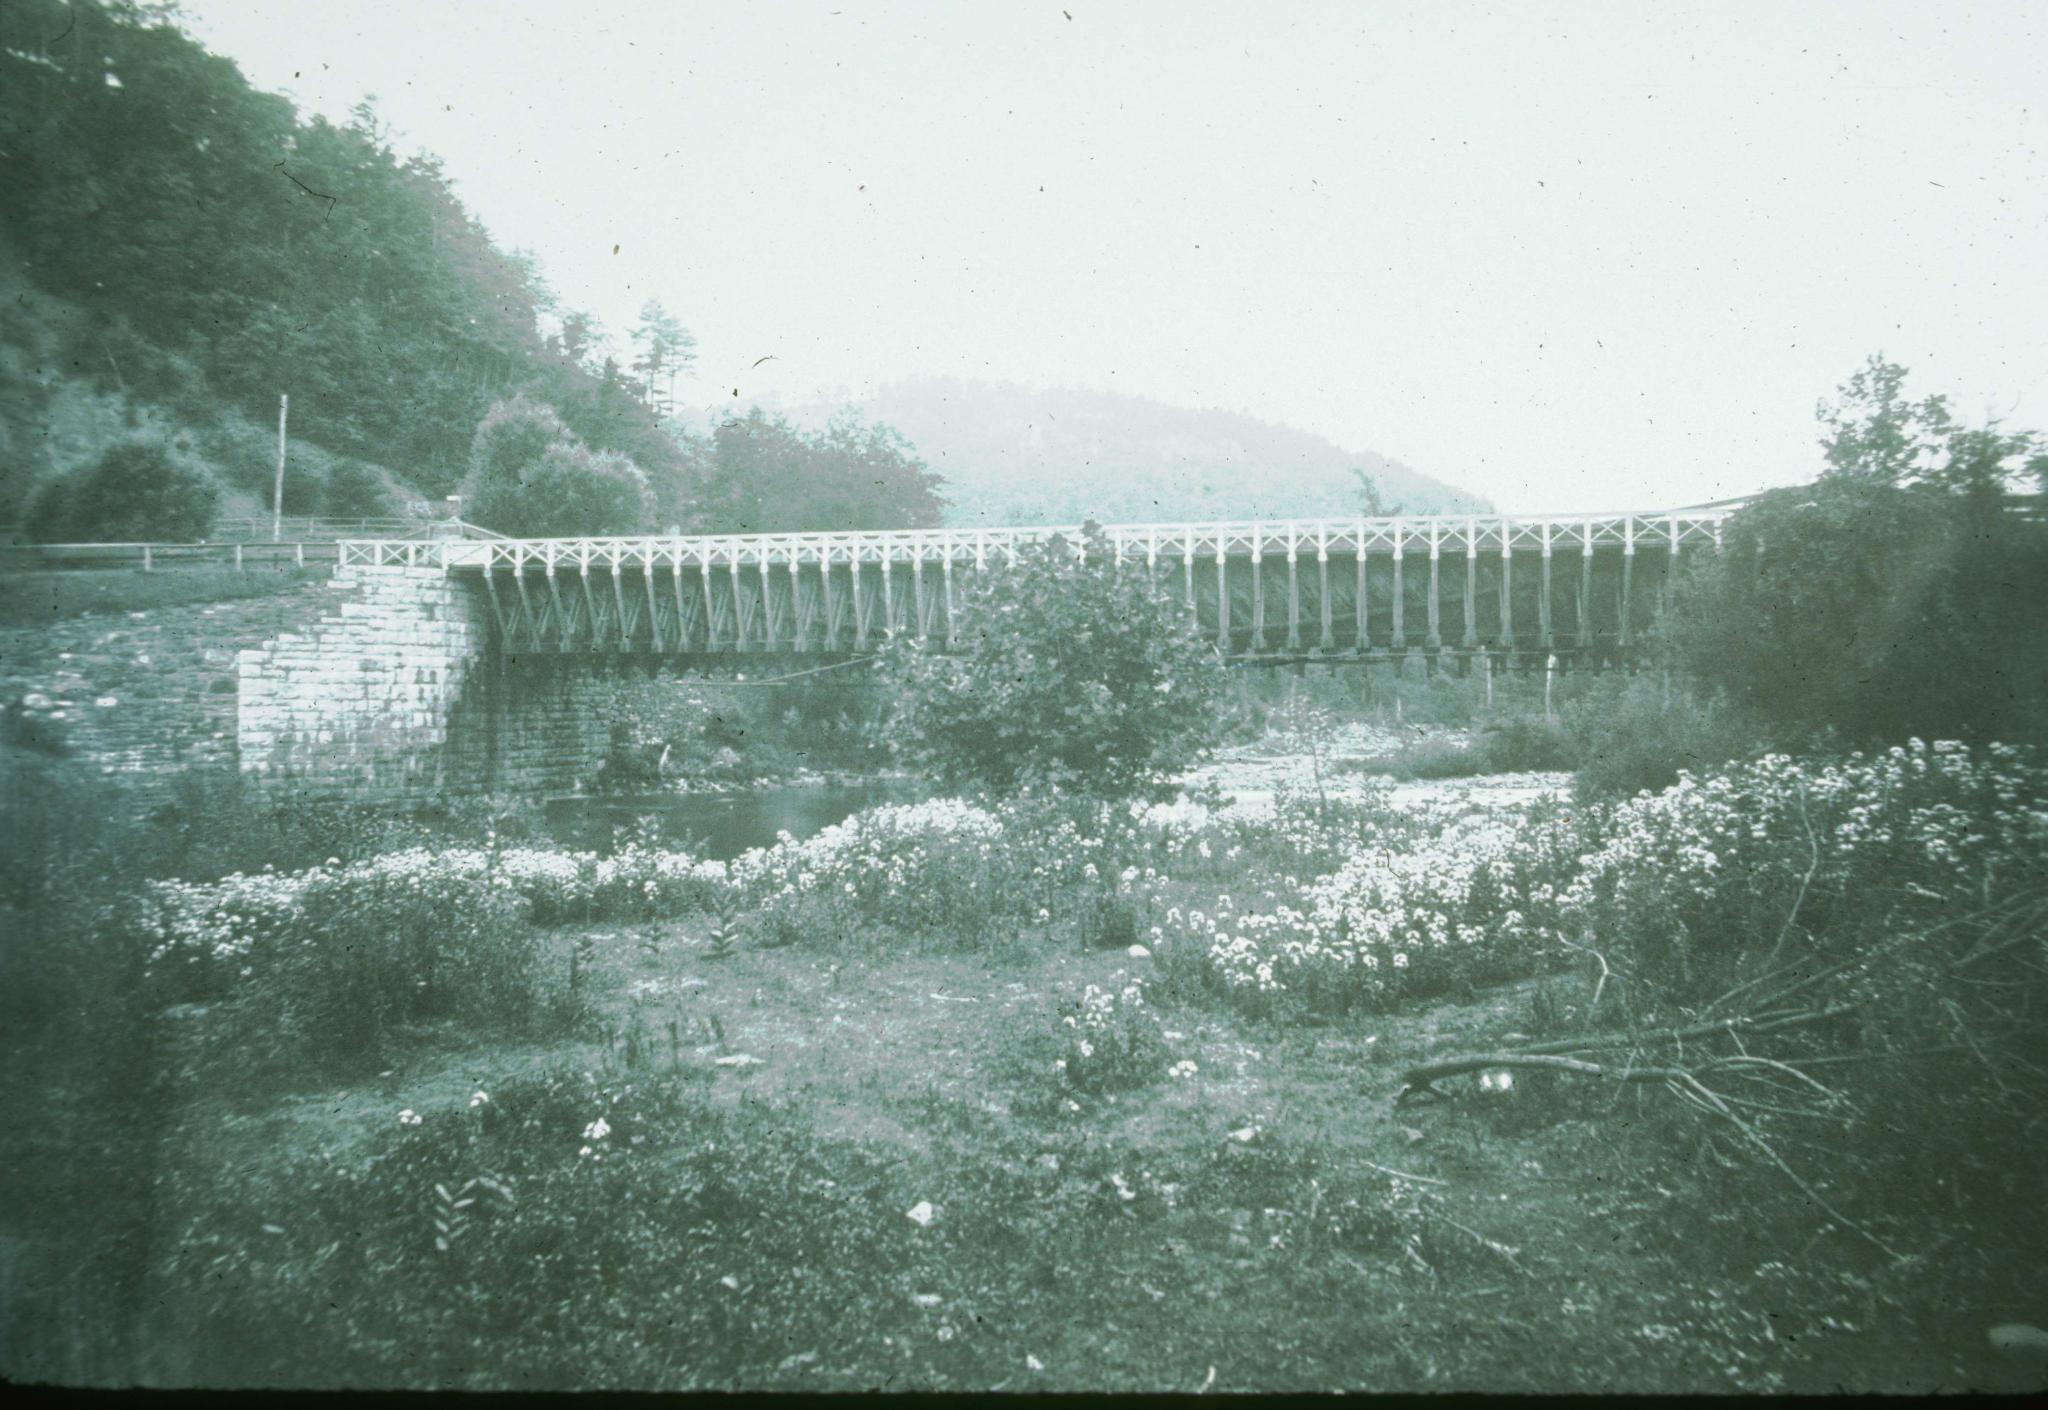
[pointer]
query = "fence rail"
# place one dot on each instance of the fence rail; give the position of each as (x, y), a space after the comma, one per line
(230, 551)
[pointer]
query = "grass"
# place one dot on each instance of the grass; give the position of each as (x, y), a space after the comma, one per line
(36, 599)
(1243, 1219)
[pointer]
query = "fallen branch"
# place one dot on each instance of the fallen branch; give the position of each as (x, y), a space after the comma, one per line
(1550, 1055)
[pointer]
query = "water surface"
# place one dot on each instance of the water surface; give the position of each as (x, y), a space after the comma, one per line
(720, 825)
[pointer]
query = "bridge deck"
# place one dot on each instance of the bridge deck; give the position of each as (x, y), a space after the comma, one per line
(1259, 588)
(1465, 535)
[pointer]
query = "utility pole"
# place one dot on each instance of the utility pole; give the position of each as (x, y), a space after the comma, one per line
(277, 494)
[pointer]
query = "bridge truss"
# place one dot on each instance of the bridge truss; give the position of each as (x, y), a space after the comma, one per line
(1274, 589)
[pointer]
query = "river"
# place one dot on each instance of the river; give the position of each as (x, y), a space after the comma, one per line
(723, 825)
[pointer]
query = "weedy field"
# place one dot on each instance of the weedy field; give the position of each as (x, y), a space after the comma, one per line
(1697, 1091)
(787, 1170)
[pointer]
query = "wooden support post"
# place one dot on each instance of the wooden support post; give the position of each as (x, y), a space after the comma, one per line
(799, 634)
(1586, 586)
(619, 600)
(1152, 558)
(1471, 585)
(1362, 606)
(589, 605)
(1435, 639)
(299, 549)
(653, 606)
(497, 607)
(1329, 637)
(888, 595)
(1507, 604)
(952, 624)
(1187, 569)
(767, 603)
(825, 593)
(1258, 594)
(1222, 600)
(711, 597)
(1628, 572)
(1543, 597)
(917, 602)
(1486, 670)
(561, 610)
(1293, 601)
(863, 607)
(1400, 637)
(145, 559)
(526, 606)
(739, 615)
(675, 578)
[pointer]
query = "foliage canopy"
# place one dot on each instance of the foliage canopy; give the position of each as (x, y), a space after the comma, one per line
(530, 477)
(137, 491)
(1074, 675)
(760, 474)
(1895, 596)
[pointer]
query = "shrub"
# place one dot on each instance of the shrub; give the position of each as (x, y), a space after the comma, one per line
(1895, 596)
(1076, 677)
(356, 491)
(1636, 735)
(530, 477)
(1776, 861)
(332, 970)
(137, 491)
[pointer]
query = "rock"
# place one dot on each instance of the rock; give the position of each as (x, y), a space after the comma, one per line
(1139, 952)
(921, 1214)
(2020, 1340)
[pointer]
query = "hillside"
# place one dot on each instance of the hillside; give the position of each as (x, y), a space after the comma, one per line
(1016, 455)
(59, 412)
(177, 247)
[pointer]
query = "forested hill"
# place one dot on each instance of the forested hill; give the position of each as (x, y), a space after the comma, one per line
(1014, 455)
(218, 248)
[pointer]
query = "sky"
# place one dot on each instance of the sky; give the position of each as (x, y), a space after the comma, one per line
(1569, 256)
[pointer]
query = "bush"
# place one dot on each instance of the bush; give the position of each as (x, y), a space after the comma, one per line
(333, 972)
(530, 477)
(1895, 596)
(355, 491)
(1076, 677)
(1781, 861)
(1637, 735)
(138, 491)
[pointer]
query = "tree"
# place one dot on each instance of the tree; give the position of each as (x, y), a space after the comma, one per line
(530, 477)
(1875, 434)
(1076, 677)
(665, 348)
(1371, 503)
(763, 475)
(138, 491)
(1894, 596)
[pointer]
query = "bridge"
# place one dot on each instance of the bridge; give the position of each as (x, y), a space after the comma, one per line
(1319, 586)
(480, 662)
